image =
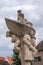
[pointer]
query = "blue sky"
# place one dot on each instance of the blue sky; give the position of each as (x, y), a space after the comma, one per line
(33, 11)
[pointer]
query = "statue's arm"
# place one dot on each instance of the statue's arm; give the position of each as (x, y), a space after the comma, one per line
(33, 49)
(13, 37)
(17, 48)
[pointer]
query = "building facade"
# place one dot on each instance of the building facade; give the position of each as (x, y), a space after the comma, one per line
(39, 56)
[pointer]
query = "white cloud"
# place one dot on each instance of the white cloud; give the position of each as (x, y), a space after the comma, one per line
(39, 34)
(12, 8)
(3, 29)
(8, 3)
(33, 11)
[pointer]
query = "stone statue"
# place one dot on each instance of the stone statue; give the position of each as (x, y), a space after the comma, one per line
(23, 37)
(29, 49)
(21, 17)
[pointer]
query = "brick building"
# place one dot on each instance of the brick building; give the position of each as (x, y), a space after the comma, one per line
(39, 56)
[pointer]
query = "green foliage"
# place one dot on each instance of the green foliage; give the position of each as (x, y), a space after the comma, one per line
(16, 60)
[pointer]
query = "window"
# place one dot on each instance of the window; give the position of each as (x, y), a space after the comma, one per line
(38, 58)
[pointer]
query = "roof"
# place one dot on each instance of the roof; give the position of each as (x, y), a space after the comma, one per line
(9, 60)
(1, 58)
(40, 46)
(6, 60)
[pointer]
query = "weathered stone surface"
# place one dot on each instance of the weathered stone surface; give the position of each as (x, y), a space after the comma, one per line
(23, 35)
(18, 28)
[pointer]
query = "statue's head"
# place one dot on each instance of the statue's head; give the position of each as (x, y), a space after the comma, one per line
(19, 12)
(33, 40)
(27, 36)
(32, 33)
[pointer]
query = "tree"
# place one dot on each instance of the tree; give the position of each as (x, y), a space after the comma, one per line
(16, 60)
